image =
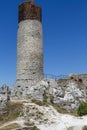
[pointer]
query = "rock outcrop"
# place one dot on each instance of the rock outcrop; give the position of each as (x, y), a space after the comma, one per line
(4, 97)
(66, 93)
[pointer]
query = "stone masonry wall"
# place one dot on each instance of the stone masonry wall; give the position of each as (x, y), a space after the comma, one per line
(80, 77)
(29, 53)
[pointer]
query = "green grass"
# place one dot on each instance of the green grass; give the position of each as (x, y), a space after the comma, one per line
(82, 110)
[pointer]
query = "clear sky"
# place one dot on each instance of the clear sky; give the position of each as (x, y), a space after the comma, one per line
(64, 40)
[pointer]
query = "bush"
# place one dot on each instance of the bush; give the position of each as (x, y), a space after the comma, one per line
(82, 110)
(45, 97)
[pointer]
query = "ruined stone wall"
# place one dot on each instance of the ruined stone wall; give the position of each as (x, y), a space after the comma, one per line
(29, 53)
(80, 78)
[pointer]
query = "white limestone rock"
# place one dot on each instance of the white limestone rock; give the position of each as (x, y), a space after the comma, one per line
(67, 94)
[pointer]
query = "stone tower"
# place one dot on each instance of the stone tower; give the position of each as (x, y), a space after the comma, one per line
(29, 45)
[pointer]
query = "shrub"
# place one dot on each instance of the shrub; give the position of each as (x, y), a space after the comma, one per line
(82, 110)
(45, 97)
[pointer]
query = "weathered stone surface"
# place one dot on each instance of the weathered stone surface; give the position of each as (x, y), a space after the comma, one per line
(29, 53)
(38, 114)
(66, 93)
(4, 97)
(79, 78)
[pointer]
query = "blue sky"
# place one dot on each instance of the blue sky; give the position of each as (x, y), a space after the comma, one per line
(65, 37)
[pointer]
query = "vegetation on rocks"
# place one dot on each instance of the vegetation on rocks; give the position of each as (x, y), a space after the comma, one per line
(60, 110)
(11, 112)
(40, 103)
(82, 110)
(45, 96)
(85, 128)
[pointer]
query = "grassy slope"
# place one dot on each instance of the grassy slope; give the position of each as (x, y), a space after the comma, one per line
(13, 110)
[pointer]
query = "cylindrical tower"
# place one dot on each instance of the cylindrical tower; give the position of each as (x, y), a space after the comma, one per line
(29, 45)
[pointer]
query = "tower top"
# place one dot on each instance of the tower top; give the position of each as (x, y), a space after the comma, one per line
(29, 10)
